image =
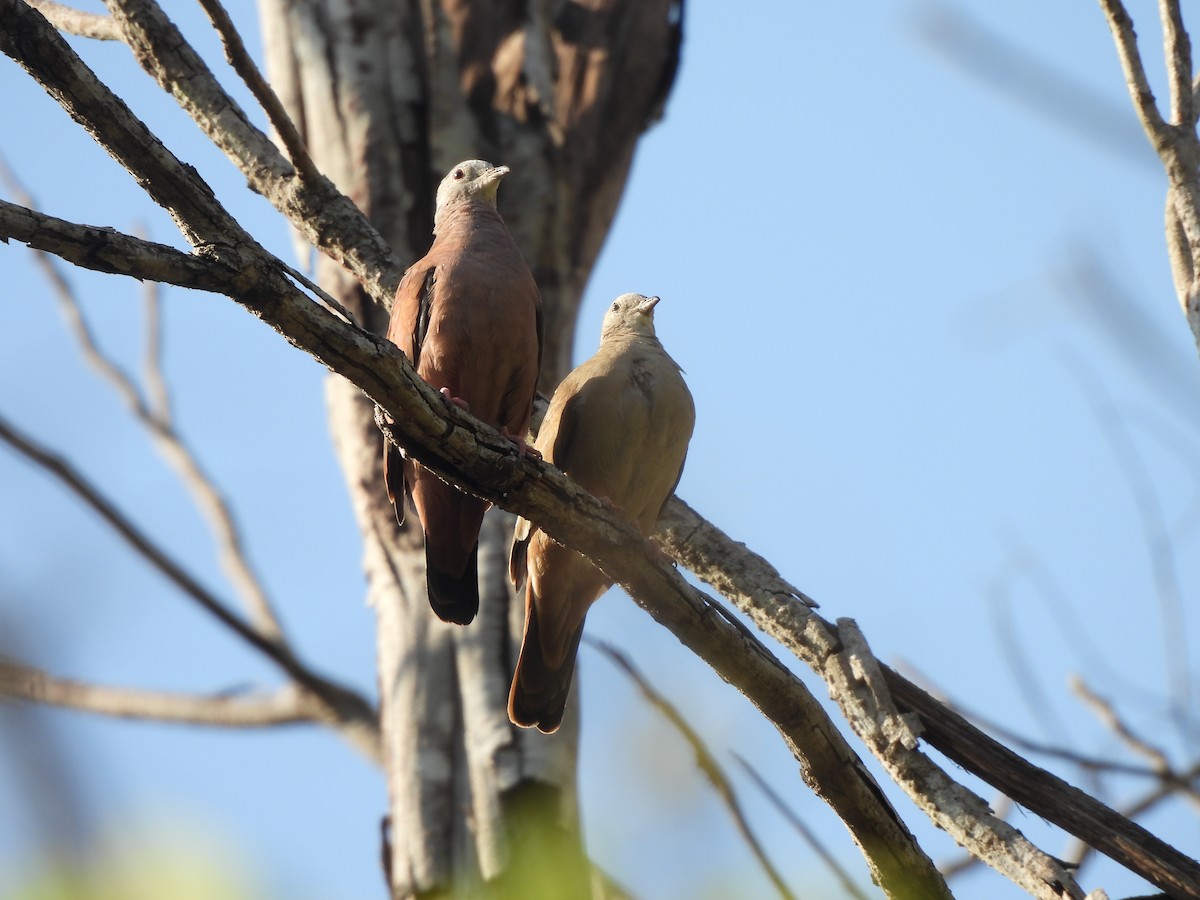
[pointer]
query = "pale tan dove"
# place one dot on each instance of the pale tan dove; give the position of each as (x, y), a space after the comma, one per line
(619, 425)
(469, 317)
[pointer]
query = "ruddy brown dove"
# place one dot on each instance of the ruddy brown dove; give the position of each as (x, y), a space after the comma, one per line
(469, 318)
(619, 425)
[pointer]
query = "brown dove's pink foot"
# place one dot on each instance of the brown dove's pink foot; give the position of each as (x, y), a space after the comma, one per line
(457, 401)
(523, 448)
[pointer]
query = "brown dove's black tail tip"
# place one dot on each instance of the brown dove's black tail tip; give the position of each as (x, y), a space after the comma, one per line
(538, 696)
(454, 599)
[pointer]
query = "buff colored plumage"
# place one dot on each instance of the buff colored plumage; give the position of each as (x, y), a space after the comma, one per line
(619, 425)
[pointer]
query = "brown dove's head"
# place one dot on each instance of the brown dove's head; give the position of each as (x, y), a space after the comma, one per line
(470, 179)
(629, 314)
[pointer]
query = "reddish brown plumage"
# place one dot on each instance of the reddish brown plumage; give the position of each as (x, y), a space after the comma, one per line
(468, 316)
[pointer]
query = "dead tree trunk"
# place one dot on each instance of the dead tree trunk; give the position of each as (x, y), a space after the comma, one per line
(389, 96)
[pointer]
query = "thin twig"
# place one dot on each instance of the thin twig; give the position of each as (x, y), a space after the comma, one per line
(324, 296)
(1083, 761)
(705, 761)
(1161, 548)
(76, 21)
(243, 64)
(806, 834)
(1121, 26)
(155, 416)
(282, 707)
(1079, 851)
(341, 706)
(1109, 716)
(1178, 50)
(158, 397)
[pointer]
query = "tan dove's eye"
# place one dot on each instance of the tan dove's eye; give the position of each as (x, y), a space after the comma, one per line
(458, 174)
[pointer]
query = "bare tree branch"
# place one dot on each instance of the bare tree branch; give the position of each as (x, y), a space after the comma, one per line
(286, 706)
(322, 214)
(1176, 144)
(1178, 50)
(806, 833)
(705, 761)
(1135, 73)
(338, 705)
(859, 687)
(753, 585)
(1108, 715)
(75, 21)
(1168, 590)
(239, 58)
(156, 417)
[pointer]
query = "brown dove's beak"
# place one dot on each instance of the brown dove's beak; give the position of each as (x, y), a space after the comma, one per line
(497, 173)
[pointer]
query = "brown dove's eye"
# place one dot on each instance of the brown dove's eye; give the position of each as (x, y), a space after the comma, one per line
(458, 174)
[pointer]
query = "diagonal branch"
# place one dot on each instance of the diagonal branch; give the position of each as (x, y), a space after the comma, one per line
(1144, 104)
(338, 706)
(76, 21)
(239, 58)
(326, 218)
(705, 761)
(1176, 144)
(287, 706)
(806, 833)
(1178, 50)
(156, 417)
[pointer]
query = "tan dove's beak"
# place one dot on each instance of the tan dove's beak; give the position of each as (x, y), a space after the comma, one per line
(648, 307)
(498, 172)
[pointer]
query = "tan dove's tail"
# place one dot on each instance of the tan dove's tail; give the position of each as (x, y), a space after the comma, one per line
(538, 696)
(453, 598)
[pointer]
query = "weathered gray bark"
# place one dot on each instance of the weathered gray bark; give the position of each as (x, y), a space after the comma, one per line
(389, 96)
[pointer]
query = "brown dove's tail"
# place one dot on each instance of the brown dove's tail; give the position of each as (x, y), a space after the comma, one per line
(453, 598)
(538, 696)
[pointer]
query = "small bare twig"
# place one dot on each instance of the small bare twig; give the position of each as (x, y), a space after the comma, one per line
(339, 706)
(1178, 50)
(806, 833)
(155, 416)
(76, 21)
(1111, 719)
(1160, 547)
(705, 761)
(1082, 760)
(283, 707)
(1121, 26)
(1176, 144)
(158, 398)
(239, 58)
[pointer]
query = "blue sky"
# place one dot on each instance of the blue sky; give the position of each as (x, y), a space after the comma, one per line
(914, 395)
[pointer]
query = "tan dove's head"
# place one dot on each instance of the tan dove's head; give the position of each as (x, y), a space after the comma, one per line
(629, 314)
(470, 179)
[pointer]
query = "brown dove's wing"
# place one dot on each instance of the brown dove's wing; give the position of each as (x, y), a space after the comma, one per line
(407, 329)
